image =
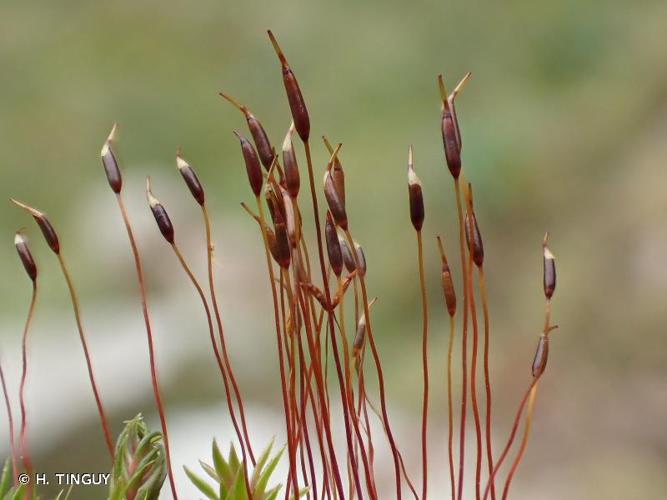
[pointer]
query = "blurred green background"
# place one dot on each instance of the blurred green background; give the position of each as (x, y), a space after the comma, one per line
(564, 124)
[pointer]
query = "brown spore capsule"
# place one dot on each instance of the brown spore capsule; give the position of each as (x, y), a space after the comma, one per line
(110, 163)
(415, 195)
(282, 246)
(191, 179)
(450, 100)
(337, 171)
(161, 217)
(336, 206)
(450, 134)
(447, 281)
(259, 136)
(541, 356)
(549, 269)
(360, 336)
(294, 97)
(45, 226)
(348, 259)
(361, 258)
(21, 244)
(473, 235)
(292, 178)
(253, 169)
(333, 245)
(290, 216)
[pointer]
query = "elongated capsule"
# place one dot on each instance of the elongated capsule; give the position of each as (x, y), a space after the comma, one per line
(348, 259)
(110, 163)
(549, 270)
(292, 178)
(450, 133)
(452, 105)
(447, 282)
(259, 136)
(359, 337)
(276, 209)
(474, 239)
(161, 217)
(45, 226)
(361, 258)
(333, 245)
(290, 216)
(281, 251)
(337, 171)
(294, 97)
(415, 195)
(191, 179)
(252, 166)
(336, 206)
(541, 356)
(21, 244)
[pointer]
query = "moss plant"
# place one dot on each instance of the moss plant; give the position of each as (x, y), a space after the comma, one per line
(313, 327)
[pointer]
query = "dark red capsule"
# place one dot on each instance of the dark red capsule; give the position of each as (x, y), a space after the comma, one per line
(541, 356)
(450, 133)
(361, 258)
(447, 282)
(45, 226)
(21, 244)
(474, 239)
(294, 97)
(161, 217)
(348, 259)
(282, 246)
(450, 142)
(253, 169)
(415, 195)
(110, 163)
(264, 148)
(333, 245)
(259, 136)
(337, 172)
(292, 178)
(191, 179)
(359, 337)
(336, 205)
(549, 270)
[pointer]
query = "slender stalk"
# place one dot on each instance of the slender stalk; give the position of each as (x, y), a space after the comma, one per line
(487, 377)
(221, 335)
(316, 360)
(149, 338)
(216, 352)
(534, 386)
(334, 343)
(464, 340)
(524, 440)
(350, 393)
(12, 442)
(450, 417)
(89, 364)
(24, 374)
(510, 441)
(473, 382)
(292, 380)
(422, 287)
(276, 314)
(378, 366)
